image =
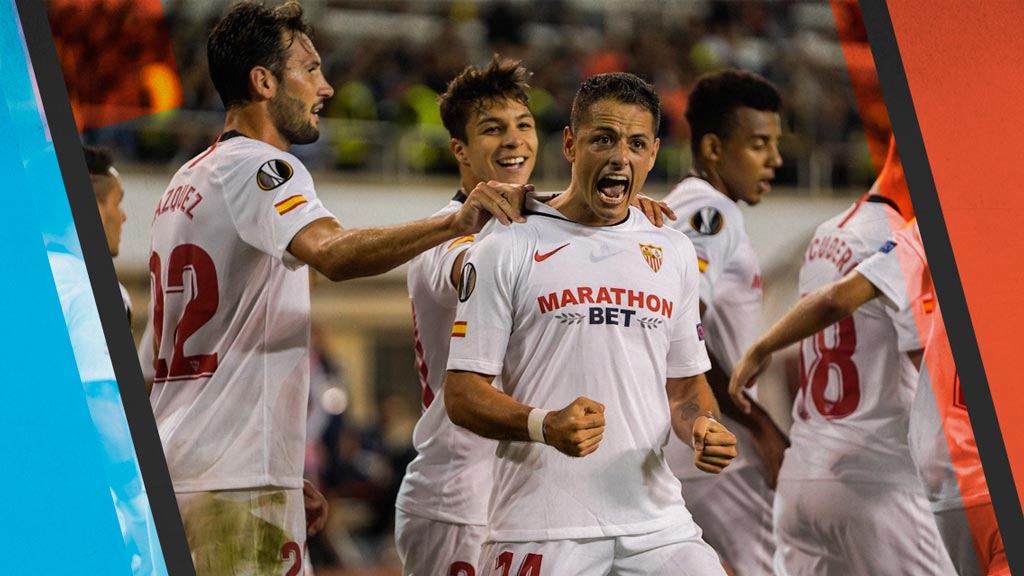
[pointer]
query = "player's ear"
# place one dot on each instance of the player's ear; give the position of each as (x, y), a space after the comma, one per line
(568, 144)
(458, 148)
(263, 82)
(711, 147)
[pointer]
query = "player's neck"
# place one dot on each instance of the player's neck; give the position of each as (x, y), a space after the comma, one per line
(710, 176)
(253, 120)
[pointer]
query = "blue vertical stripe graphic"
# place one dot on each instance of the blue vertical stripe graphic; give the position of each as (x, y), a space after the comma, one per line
(71, 495)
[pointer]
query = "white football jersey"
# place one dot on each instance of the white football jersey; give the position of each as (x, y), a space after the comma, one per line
(851, 413)
(450, 478)
(230, 308)
(730, 287)
(940, 429)
(558, 310)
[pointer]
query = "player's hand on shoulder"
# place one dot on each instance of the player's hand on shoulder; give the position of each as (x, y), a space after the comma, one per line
(714, 446)
(577, 429)
(492, 199)
(655, 211)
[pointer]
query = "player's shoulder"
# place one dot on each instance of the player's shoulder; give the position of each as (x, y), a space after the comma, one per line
(237, 160)
(666, 235)
(703, 210)
(269, 166)
(866, 224)
(448, 246)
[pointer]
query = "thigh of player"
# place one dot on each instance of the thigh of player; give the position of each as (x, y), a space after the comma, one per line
(590, 557)
(433, 548)
(245, 532)
(827, 527)
(673, 551)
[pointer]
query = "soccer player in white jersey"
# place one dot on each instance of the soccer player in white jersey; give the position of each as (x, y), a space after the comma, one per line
(849, 499)
(441, 511)
(734, 130)
(587, 316)
(230, 298)
(106, 184)
(941, 437)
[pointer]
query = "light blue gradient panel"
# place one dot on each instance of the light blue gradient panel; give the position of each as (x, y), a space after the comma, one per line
(62, 473)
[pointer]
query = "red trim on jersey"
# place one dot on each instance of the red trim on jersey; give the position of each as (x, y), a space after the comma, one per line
(421, 362)
(204, 155)
(853, 211)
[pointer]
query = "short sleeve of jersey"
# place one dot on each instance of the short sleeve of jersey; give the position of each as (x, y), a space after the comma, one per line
(484, 319)
(687, 354)
(713, 246)
(271, 198)
(883, 270)
(433, 268)
(906, 328)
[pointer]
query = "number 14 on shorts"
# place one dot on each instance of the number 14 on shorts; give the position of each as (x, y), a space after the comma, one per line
(502, 566)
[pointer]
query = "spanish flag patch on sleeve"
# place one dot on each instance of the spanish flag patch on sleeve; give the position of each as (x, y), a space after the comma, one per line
(290, 203)
(459, 330)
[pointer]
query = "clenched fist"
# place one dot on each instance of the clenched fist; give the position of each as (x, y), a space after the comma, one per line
(577, 429)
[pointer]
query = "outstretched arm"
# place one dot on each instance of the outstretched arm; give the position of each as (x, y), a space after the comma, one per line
(342, 254)
(810, 315)
(473, 403)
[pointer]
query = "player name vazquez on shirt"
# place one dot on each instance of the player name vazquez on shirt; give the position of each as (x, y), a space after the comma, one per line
(182, 198)
(612, 296)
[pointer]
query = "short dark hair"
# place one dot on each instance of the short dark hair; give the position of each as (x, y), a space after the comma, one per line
(619, 86)
(715, 97)
(251, 35)
(475, 88)
(99, 160)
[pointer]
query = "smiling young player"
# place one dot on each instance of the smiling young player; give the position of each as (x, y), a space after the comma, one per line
(441, 511)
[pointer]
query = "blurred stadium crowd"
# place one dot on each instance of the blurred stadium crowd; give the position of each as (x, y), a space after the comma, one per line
(388, 60)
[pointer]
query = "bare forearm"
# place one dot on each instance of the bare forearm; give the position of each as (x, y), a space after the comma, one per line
(689, 398)
(363, 252)
(474, 404)
(817, 311)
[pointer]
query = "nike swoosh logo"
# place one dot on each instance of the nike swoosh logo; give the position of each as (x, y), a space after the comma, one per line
(538, 257)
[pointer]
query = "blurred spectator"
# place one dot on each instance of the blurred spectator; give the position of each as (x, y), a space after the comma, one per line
(388, 60)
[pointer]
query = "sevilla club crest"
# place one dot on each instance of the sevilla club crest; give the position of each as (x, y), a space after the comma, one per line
(653, 255)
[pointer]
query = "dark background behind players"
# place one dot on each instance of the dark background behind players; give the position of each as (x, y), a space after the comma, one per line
(383, 157)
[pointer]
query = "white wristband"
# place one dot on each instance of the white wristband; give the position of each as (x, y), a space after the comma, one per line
(535, 424)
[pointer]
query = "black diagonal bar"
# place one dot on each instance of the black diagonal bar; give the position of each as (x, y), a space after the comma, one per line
(104, 286)
(962, 340)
